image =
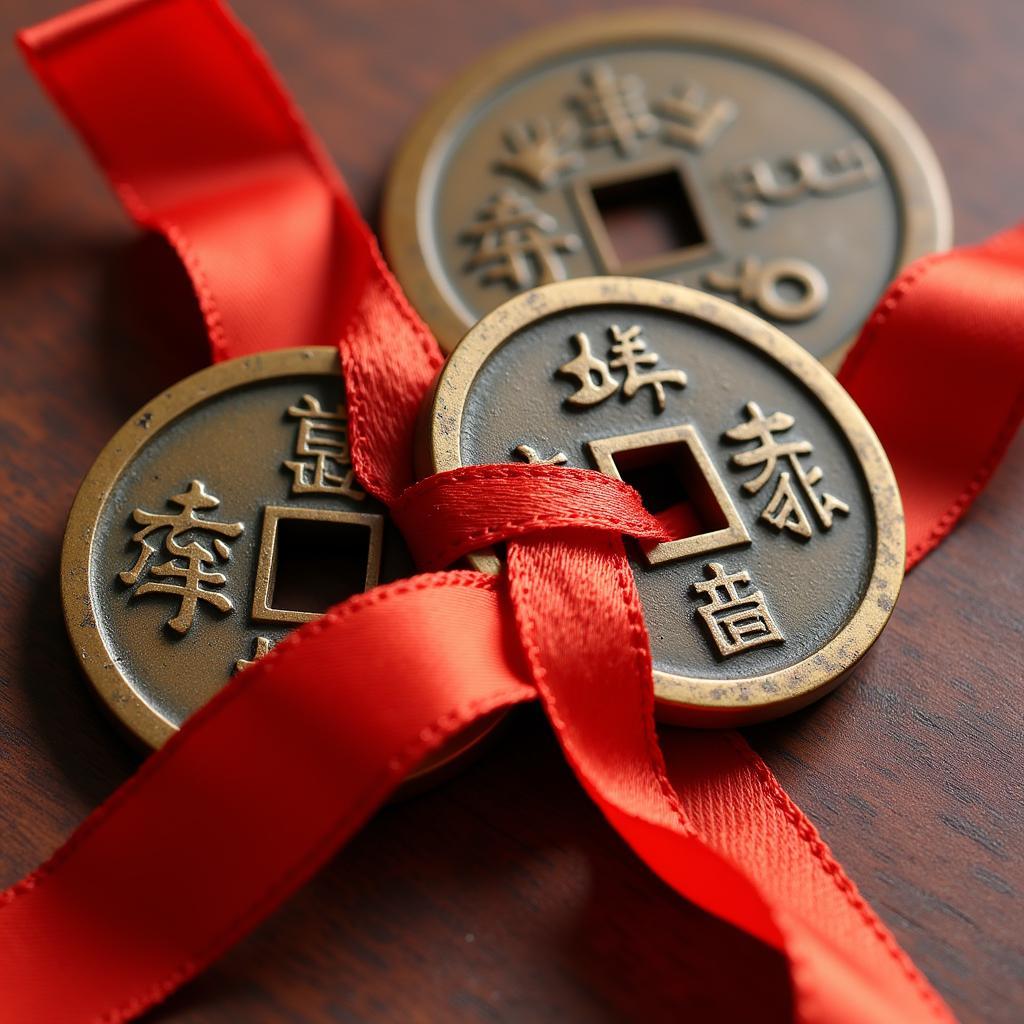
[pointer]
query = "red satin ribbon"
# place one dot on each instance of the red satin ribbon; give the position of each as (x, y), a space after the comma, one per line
(939, 372)
(263, 783)
(448, 515)
(244, 804)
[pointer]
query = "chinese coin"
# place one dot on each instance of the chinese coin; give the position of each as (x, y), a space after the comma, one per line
(688, 147)
(787, 547)
(221, 516)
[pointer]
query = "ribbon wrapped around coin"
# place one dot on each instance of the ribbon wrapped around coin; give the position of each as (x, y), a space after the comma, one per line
(768, 587)
(567, 626)
(230, 548)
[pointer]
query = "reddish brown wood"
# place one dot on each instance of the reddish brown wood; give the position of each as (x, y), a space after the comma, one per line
(502, 895)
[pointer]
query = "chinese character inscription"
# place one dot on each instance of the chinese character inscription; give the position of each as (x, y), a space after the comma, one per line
(735, 621)
(629, 353)
(516, 243)
(785, 510)
(189, 569)
(539, 153)
(323, 438)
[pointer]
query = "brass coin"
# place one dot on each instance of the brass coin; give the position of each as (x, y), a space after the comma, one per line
(689, 147)
(788, 539)
(221, 516)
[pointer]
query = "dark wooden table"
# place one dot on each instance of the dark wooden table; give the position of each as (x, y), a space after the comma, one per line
(502, 895)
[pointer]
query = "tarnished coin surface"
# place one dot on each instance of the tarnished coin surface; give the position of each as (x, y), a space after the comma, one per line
(221, 516)
(684, 146)
(787, 546)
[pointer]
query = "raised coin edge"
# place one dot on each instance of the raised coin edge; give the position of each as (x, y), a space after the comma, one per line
(927, 221)
(681, 699)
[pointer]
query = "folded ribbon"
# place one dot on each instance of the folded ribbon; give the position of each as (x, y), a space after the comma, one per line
(264, 782)
(451, 514)
(939, 372)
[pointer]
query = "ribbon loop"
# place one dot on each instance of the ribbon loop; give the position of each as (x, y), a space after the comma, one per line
(939, 372)
(202, 144)
(452, 514)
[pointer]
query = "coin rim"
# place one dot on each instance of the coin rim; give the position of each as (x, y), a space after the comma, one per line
(925, 211)
(111, 685)
(682, 699)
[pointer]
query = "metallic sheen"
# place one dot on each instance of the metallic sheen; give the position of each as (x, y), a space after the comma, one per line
(788, 540)
(685, 146)
(222, 515)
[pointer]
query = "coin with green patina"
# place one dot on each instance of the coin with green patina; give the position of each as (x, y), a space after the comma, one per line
(684, 146)
(786, 547)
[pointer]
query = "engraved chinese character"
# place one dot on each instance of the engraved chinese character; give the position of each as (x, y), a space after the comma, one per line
(534, 457)
(784, 510)
(260, 646)
(629, 352)
(323, 437)
(539, 153)
(596, 382)
(614, 109)
(517, 243)
(760, 183)
(735, 622)
(760, 285)
(188, 562)
(691, 121)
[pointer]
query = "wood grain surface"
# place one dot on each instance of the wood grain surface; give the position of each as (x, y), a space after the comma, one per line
(501, 895)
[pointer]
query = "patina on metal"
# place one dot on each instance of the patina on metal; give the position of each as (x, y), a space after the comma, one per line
(221, 516)
(686, 146)
(787, 549)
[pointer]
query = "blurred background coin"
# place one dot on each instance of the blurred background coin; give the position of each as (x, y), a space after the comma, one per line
(685, 146)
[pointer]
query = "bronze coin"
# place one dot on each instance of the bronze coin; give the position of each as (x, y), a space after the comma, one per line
(689, 147)
(221, 516)
(788, 539)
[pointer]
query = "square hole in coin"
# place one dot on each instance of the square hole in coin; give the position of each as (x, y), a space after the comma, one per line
(673, 488)
(679, 485)
(318, 564)
(640, 222)
(310, 559)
